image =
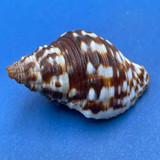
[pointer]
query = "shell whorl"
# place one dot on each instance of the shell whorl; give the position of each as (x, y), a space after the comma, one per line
(85, 72)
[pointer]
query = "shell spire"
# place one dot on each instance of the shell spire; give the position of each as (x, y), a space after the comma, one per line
(15, 72)
(85, 72)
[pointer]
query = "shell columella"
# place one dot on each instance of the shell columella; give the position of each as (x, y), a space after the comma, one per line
(85, 72)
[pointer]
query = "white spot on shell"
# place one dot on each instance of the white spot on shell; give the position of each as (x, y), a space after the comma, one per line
(50, 60)
(84, 46)
(39, 48)
(106, 94)
(39, 78)
(103, 94)
(134, 82)
(129, 74)
(128, 89)
(22, 58)
(109, 72)
(122, 56)
(52, 50)
(63, 34)
(112, 52)
(119, 89)
(83, 33)
(73, 92)
(92, 94)
(144, 76)
(106, 72)
(137, 67)
(111, 91)
(101, 48)
(64, 81)
(57, 50)
(125, 100)
(139, 88)
(89, 34)
(119, 101)
(93, 46)
(27, 60)
(101, 70)
(109, 42)
(118, 57)
(117, 73)
(101, 38)
(129, 62)
(135, 74)
(60, 60)
(75, 34)
(72, 106)
(124, 85)
(90, 68)
(92, 35)
(132, 93)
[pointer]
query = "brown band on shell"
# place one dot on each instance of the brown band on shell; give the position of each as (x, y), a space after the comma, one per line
(49, 70)
(52, 94)
(75, 59)
(31, 77)
(39, 53)
(94, 107)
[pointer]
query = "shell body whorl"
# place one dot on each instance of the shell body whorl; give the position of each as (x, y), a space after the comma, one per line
(85, 72)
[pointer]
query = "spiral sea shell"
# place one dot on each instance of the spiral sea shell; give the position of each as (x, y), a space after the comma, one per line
(85, 72)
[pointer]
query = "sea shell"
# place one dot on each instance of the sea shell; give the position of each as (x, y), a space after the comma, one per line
(85, 72)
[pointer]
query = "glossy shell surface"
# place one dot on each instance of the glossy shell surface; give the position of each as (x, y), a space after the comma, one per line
(85, 72)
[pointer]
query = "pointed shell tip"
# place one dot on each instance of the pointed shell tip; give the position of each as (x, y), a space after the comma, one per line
(10, 71)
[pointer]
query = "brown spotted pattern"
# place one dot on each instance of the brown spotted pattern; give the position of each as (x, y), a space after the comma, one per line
(85, 72)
